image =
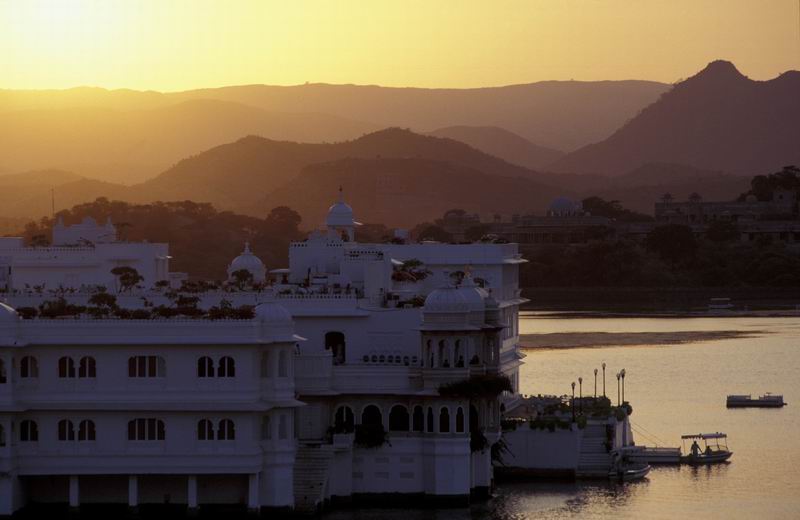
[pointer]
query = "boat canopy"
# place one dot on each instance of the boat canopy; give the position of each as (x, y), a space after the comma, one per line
(705, 436)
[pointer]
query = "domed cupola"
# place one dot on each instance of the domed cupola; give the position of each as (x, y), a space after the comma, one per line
(9, 321)
(446, 299)
(276, 322)
(247, 261)
(473, 294)
(340, 218)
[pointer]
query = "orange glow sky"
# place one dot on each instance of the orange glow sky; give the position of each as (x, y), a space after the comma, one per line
(182, 44)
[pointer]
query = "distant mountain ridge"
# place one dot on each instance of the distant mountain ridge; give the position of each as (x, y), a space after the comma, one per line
(503, 144)
(716, 120)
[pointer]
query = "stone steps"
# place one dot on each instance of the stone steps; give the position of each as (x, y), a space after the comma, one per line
(311, 470)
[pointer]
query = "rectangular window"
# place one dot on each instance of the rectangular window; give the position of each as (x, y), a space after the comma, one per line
(147, 366)
(146, 430)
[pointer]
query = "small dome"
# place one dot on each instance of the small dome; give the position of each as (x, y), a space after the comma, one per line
(247, 261)
(340, 214)
(271, 312)
(447, 299)
(473, 295)
(564, 206)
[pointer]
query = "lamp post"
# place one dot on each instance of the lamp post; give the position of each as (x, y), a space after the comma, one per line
(623, 384)
(595, 383)
(580, 394)
(573, 401)
(604, 378)
(619, 374)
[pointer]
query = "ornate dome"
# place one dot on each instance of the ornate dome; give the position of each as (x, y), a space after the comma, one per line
(447, 299)
(340, 214)
(273, 313)
(247, 261)
(474, 296)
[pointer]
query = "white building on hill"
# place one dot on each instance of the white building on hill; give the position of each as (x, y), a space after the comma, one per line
(392, 386)
(81, 255)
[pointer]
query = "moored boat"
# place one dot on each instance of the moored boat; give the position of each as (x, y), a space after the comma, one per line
(715, 451)
(746, 401)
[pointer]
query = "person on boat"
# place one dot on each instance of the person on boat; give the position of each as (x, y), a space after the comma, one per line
(709, 451)
(695, 449)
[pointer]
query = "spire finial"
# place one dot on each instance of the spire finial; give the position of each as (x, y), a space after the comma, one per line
(247, 247)
(341, 194)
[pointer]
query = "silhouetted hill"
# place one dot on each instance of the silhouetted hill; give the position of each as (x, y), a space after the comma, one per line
(237, 175)
(503, 144)
(405, 192)
(716, 120)
(131, 145)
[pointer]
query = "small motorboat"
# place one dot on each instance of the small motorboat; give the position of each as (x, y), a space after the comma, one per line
(746, 401)
(629, 472)
(715, 451)
(720, 305)
(624, 469)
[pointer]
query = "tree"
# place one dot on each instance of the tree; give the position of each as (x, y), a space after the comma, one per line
(672, 243)
(612, 209)
(475, 233)
(242, 279)
(127, 276)
(722, 231)
(433, 232)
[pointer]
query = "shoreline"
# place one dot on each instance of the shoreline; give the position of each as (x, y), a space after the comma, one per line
(573, 340)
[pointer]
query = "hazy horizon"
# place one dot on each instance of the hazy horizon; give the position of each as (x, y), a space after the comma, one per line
(177, 46)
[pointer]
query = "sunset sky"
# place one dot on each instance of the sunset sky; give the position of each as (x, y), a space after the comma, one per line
(176, 45)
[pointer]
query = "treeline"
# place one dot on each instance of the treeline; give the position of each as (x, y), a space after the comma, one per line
(670, 257)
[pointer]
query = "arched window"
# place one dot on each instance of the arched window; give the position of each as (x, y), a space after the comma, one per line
(2, 436)
(372, 416)
(334, 341)
(28, 367)
(474, 419)
(265, 365)
(266, 428)
(86, 430)
(398, 418)
(430, 420)
(87, 367)
(458, 354)
(460, 420)
(444, 354)
(66, 430)
(227, 367)
(283, 364)
(146, 430)
(226, 431)
(428, 355)
(28, 431)
(205, 367)
(444, 420)
(419, 419)
(66, 367)
(205, 430)
(344, 420)
(283, 428)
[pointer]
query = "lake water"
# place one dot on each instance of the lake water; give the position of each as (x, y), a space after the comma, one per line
(673, 389)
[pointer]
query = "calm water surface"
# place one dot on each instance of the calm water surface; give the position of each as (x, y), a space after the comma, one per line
(674, 389)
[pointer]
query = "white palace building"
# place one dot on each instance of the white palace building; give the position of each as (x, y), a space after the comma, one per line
(363, 373)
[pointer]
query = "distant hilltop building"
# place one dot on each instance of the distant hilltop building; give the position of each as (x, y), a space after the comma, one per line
(363, 370)
(81, 255)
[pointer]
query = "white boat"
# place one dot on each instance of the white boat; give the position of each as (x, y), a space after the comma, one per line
(715, 451)
(765, 401)
(629, 472)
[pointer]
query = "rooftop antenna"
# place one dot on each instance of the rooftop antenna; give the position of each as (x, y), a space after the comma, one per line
(341, 195)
